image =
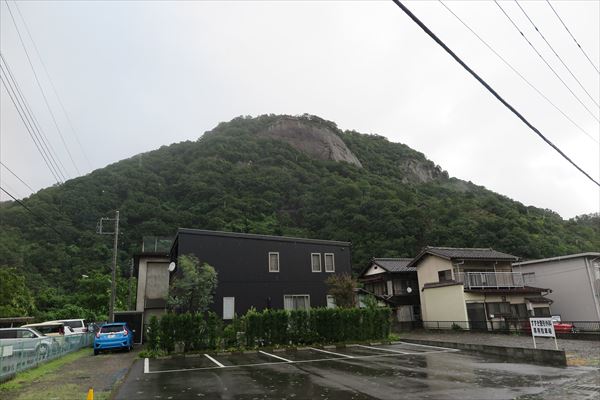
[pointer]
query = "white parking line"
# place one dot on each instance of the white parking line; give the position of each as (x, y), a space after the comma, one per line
(146, 365)
(426, 345)
(298, 362)
(331, 352)
(381, 348)
(215, 361)
(274, 356)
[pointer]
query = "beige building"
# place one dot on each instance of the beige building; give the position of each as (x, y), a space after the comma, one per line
(474, 289)
(153, 284)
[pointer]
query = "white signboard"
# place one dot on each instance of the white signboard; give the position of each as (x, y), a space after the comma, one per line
(542, 327)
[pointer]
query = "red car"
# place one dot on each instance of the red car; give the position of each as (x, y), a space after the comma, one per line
(559, 327)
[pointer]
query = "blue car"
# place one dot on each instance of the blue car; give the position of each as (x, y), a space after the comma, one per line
(116, 335)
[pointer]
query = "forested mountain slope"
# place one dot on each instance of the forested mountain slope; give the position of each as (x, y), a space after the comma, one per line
(298, 176)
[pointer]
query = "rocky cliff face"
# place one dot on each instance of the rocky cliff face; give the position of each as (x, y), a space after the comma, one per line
(315, 139)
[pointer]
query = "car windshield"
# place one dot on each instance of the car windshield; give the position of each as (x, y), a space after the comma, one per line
(37, 332)
(112, 329)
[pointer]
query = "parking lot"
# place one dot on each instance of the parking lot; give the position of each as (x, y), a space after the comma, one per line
(399, 370)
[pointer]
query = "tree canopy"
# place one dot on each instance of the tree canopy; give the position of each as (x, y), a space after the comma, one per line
(232, 179)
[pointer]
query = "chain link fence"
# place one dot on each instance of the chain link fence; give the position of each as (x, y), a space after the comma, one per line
(22, 354)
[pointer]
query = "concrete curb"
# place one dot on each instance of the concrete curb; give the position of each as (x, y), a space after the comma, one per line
(534, 356)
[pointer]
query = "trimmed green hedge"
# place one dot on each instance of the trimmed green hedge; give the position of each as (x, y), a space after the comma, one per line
(268, 328)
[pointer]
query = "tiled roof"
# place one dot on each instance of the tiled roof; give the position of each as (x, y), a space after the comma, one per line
(395, 264)
(469, 253)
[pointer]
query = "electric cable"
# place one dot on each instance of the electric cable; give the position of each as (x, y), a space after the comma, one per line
(488, 87)
(518, 73)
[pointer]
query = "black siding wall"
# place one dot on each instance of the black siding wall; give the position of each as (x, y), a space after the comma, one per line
(243, 269)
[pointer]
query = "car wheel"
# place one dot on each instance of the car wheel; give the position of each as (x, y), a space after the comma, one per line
(96, 352)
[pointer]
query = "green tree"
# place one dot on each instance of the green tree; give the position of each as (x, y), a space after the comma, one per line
(342, 288)
(192, 288)
(16, 300)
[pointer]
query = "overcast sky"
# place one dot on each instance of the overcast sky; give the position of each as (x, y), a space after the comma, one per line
(135, 76)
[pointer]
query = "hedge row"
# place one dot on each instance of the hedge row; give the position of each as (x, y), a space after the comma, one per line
(268, 328)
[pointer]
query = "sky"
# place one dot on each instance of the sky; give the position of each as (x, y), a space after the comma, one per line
(133, 76)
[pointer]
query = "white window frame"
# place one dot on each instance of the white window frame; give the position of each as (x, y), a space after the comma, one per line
(332, 302)
(233, 311)
(332, 263)
(312, 266)
(269, 261)
(296, 295)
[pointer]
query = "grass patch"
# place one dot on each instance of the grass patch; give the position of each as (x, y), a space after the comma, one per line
(38, 372)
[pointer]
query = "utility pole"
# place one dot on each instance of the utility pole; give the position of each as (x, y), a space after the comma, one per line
(130, 278)
(113, 287)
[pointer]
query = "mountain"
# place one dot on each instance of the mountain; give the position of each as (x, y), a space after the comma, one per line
(273, 174)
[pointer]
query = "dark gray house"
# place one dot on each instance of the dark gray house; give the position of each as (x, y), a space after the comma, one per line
(394, 280)
(263, 271)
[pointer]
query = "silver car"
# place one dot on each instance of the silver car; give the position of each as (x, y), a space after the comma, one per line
(14, 340)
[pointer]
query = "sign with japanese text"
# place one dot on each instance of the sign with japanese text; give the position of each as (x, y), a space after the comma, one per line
(543, 327)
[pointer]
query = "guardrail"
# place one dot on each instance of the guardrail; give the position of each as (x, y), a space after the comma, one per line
(507, 325)
(497, 280)
(27, 353)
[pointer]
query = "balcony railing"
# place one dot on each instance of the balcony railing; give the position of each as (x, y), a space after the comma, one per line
(479, 280)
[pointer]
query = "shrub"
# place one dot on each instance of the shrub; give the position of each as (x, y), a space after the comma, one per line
(269, 327)
(152, 334)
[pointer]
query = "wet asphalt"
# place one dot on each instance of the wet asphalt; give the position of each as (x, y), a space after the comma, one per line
(398, 371)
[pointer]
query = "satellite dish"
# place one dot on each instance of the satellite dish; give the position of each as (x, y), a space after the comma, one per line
(172, 266)
(409, 290)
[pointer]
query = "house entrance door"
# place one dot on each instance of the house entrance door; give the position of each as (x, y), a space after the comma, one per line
(476, 314)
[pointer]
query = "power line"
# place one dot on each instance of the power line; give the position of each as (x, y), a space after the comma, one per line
(518, 73)
(42, 220)
(556, 54)
(29, 120)
(52, 85)
(573, 37)
(33, 120)
(546, 62)
(487, 86)
(42, 89)
(28, 127)
(17, 176)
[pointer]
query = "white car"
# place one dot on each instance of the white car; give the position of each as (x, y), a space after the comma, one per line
(77, 325)
(52, 328)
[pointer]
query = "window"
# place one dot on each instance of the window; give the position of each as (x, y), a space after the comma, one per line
(377, 288)
(329, 262)
(23, 334)
(541, 312)
(519, 311)
(228, 307)
(528, 278)
(445, 275)
(315, 262)
(498, 309)
(399, 286)
(273, 262)
(296, 302)
(330, 301)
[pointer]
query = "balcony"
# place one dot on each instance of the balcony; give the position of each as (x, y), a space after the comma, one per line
(497, 280)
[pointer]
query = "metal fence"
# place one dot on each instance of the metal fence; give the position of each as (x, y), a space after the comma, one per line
(22, 354)
(509, 326)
